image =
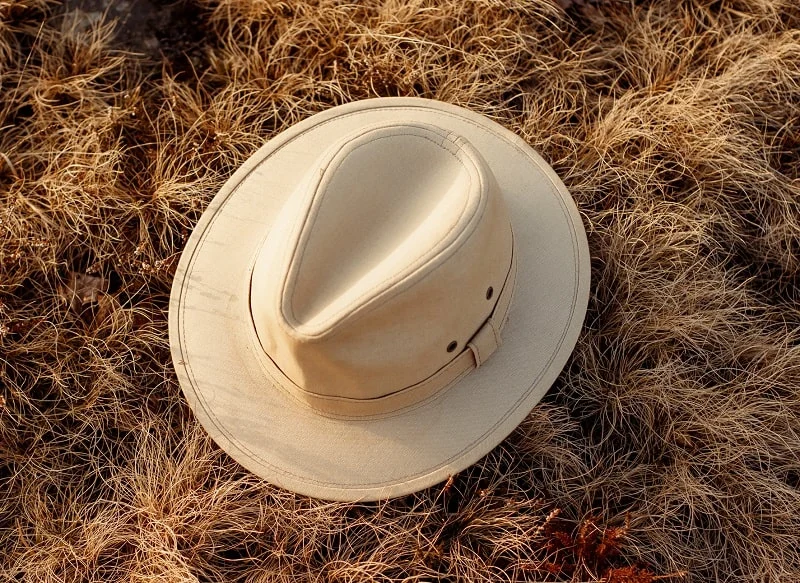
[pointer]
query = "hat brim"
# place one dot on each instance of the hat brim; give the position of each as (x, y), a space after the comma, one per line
(290, 444)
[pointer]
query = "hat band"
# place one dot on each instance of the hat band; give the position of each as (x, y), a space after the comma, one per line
(479, 348)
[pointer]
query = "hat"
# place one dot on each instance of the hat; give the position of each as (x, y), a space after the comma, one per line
(377, 298)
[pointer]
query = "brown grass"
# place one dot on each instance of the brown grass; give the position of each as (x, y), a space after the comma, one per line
(668, 450)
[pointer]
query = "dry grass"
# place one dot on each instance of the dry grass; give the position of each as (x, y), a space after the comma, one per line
(668, 450)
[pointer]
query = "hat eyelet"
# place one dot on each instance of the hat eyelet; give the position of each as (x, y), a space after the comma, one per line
(452, 346)
(489, 293)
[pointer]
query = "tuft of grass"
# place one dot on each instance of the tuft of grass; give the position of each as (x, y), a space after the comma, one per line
(666, 451)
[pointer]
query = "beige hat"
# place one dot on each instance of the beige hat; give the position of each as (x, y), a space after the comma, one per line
(377, 298)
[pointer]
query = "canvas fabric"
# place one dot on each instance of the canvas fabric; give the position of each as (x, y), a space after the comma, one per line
(377, 297)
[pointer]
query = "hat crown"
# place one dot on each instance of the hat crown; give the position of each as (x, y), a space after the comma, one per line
(383, 265)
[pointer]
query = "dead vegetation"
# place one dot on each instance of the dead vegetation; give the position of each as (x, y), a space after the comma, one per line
(668, 449)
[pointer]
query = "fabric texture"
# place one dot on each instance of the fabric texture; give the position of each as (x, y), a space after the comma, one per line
(377, 297)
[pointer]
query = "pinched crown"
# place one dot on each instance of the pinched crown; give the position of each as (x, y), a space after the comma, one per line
(383, 266)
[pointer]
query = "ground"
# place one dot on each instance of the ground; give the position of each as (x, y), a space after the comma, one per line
(666, 451)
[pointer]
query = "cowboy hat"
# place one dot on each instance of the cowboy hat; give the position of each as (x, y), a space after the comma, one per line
(377, 298)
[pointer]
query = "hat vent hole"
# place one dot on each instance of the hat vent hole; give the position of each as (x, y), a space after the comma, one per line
(489, 293)
(452, 346)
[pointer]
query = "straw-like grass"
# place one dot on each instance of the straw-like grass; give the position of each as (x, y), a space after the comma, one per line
(668, 450)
